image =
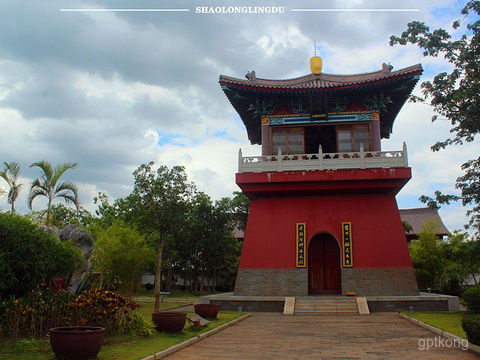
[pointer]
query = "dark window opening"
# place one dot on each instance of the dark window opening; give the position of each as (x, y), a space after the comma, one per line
(320, 135)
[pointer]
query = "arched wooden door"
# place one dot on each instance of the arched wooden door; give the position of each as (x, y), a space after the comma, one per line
(324, 265)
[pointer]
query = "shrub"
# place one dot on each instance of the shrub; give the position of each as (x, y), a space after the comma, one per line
(29, 256)
(452, 286)
(471, 326)
(35, 313)
(472, 298)
(138, 326)
(43, 308)
(100, 308)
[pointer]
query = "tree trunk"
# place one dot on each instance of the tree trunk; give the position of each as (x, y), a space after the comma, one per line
(168, 285)
(131, 286)
(202, 276)
(158, 274)
(49, 207)
(214, 280)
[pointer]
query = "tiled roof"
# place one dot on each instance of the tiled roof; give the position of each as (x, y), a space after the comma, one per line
(321, 81)
(417, 217)
(247, 95)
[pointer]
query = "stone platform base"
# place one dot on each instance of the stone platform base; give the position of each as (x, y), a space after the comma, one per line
(422, 302)
(294, 282)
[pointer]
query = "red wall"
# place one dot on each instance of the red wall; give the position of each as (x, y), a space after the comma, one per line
(378, 239)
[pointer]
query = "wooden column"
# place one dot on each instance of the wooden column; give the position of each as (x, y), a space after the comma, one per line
(265, 137)
(376, 135)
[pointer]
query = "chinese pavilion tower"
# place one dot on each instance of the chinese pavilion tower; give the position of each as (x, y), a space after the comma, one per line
(323, 216)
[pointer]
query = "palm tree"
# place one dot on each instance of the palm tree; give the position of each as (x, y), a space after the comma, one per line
(48, 185)
(10, 175)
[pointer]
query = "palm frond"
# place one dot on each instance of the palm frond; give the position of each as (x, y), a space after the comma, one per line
(34, 192)
(60, 170)
(4, 175)
(11, 175)
(46, 167)
(68, 186)
(68, 198)
(14, 169)
(68, 191)
(47, 184)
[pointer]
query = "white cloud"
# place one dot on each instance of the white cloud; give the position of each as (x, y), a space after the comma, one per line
(115, 90)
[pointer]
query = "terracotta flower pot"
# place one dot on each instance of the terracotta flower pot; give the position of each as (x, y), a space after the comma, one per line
(208, 311)
(76, 342)
(169, 321)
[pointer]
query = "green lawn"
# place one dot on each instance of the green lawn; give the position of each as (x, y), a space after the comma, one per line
(146, 307)
(450, 322)
(176, 293)
(119, 346)
(127, 348)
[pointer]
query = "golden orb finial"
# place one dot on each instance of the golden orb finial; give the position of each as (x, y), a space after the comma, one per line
(316, 62)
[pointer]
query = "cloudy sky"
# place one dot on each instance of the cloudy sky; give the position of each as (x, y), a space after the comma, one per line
(111, 90)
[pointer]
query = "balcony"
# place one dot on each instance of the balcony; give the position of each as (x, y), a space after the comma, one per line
(323, 161)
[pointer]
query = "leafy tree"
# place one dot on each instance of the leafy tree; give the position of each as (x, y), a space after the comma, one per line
(406, 226)
(464, 252)
(121, 209)
(11, 175)
(29, 256)
(238, 206)
(122, 255)
(62, 216)
(241, 207)
(49, 185)
(427, 257)
(454, 95)
(160, 201)
(210, 243)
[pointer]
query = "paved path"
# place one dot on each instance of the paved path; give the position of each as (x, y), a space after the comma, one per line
(276, 336)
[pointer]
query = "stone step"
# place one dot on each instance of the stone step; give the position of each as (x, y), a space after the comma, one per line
(326, 306)
(320, 313)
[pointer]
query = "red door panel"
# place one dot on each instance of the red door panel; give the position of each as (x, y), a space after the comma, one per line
(324, 265)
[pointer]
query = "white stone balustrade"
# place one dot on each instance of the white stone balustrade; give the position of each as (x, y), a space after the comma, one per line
(323, 161)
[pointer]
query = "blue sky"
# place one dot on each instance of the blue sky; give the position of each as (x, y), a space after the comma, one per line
(113, 90)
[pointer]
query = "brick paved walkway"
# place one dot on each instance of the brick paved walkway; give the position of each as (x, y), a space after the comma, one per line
(276, 336)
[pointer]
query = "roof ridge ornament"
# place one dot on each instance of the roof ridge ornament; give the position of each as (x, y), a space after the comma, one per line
(251, 75)
(387, 67)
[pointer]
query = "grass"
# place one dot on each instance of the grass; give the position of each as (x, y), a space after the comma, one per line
(123, 347)
(175, 293)
(450, 322)
(146, 307)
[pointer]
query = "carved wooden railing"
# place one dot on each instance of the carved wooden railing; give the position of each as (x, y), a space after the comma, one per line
(323, 161)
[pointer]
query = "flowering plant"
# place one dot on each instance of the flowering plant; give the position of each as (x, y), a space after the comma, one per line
(44, 308)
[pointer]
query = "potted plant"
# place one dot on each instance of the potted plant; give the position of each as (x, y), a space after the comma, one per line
(76, 342)
(169, 321)
(208, 311)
